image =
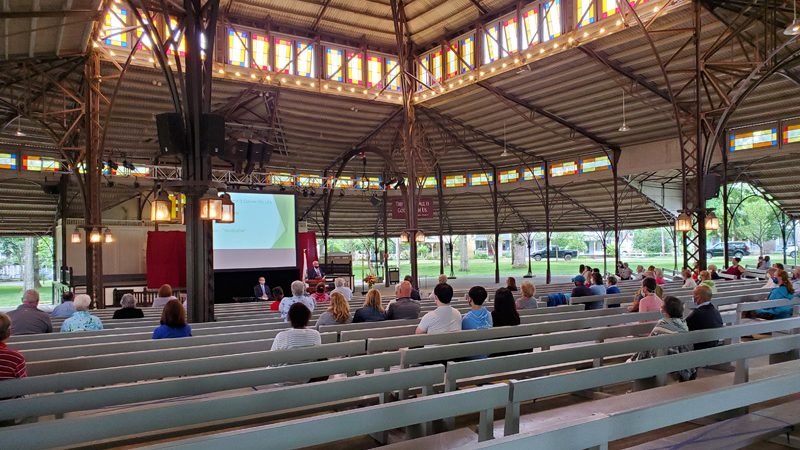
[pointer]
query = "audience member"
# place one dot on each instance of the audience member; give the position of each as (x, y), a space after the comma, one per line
(712, 269)
(164, 296)
(625, 273)
(770, 283)
(671, 323)
(81, 320)
(372, 310)
(338, 312)
(298, 335)
(705, 316)
(580, 289)
(277, 296)
(128, 308)
(298, 295)
(27, 318)
(778, 266)
(403, 307)
(796, 281)
(597, 288)
(658, 274)
(526, 300)
(262, 290)
(587, 274)
(444, 318)
(639, 273)
(705, 279)
(511, 284)
(442, 279)
(12, 363)
(735, 269)
(581, 269)
(649, 301)
(783, 291)
(478, 317)
(763, 263)
(505, 310)
(67, 306)
(319, 295)
(414, 291)
(173, 322)
(688, 281)
(339, 287)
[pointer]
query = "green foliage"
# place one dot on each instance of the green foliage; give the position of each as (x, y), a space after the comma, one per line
(758, 222)
(11, 248)
(648, 240)
(570, 241)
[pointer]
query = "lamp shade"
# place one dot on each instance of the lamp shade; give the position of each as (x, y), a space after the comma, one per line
(404, 236)
(211, 207)
(107, 236)
(712, 222)
(95, 237)
(419, 236)
(160, 208)
(228, 209)
(75, 238)
(683, 223)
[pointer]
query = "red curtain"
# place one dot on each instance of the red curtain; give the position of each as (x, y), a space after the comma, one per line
(306, 241)
(166, 259)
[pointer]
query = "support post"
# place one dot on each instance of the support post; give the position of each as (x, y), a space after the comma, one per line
(615, 170)
(385, 213)
(726, 227)
(92, 205)
(440, 212)
(528, 238)
(495, 182)
(547, 218)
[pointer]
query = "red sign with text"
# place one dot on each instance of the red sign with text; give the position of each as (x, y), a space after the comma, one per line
(424, 208)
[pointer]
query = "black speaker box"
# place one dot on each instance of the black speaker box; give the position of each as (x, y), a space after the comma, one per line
(171, 135)
(212, 134)
(712, 185)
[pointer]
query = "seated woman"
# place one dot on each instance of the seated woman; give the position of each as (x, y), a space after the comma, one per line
(688, 281)
(511, 284)
(372, 310)
(81, 320)
(298, 335)
(164, 296)
(505, 310)
(277, 296)
(783, 291)
(173, 322)
(770, 278)
(658, 274)
(319, 295)
(712, 269)
(704, 279)
(128, 308)
(672, 322)
(336, 314)
(526, 300)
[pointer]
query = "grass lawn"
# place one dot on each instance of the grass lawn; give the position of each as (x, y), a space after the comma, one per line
(11, 293)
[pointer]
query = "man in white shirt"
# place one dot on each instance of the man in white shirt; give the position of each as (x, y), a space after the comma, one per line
(444, 318)
(262, 290)
(340, 287)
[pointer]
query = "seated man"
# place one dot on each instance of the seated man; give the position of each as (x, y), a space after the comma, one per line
(479, 317)
(705, 316)
(12, 363)
(340, 287)
(27, 318)
(580, 289)
(298, 296)
(444, 318)
(403, 307)
(314, 272)
(414, 291)
(262, 290)
(67, 306)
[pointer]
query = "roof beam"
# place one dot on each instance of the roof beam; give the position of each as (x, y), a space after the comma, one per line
(60, 37)
(365, 138)
(482, 9)
(460, 141)
(317, 19)
(35, 14)
(34, 23)
(543, 112)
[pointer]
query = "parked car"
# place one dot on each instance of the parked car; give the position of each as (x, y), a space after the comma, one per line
(791, 251)
(555, 252)
(735, 248)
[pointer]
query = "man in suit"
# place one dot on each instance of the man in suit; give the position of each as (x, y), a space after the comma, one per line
(314, 272)
(262, 290)
(705, 316)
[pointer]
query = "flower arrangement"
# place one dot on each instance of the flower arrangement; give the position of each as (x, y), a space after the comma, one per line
(370, 280)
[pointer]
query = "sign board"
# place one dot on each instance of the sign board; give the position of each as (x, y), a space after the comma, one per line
(424, 208)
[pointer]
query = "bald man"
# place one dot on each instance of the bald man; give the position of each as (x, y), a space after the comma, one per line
(404, 307)
(705, 316)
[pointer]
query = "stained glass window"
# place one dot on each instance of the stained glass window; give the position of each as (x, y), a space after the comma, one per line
(176, 35)
(344, 182)
(355, 68)
(538, 172)
(115, 22)
(427, 182)
(452, 60)
(373, 183)
(509, 176)
(146, 41)
(530, 19)
(108, 171)
(585, 12)
(39, 164)
(565, 168)
(305, 59)
(237, 48)
(8, 161)
(423, 71)
(374, 71)
(608, 8)
(392, 75)
(754, 139)
(480, 179)
(468, 53)
(261, 51)
(284, 58)
(309, 181)
(491, 43)
(552, 20)
(138, 171)
(455, 181)
(281, 178)
(436, 66)
(333, 64)
(597, 164)
(791, 134)
(510, 37)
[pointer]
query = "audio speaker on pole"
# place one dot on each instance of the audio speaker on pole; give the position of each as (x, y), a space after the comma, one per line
(171, 136)
(212, 134)
(258, 153)
(712, 183)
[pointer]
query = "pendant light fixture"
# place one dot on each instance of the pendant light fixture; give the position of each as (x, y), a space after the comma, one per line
(160, 208)
(228, 209)
(211, 206)
(75, 238)
(19, 132)
(794, 28)
(712, 221)
(505, 151)
(95, 237)
(683, 223)
(624, 126)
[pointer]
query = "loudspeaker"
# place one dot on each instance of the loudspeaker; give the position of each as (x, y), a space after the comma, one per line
(50, 188)
(258, 153)
(712, 183)
(171, 135)
(212, 133)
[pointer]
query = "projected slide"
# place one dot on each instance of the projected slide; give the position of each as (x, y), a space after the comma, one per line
(263, 234)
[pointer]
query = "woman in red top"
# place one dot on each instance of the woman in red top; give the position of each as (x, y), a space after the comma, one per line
(320, 296)
(277, 294)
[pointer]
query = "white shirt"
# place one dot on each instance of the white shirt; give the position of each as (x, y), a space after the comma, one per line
(441, 320)
(689, 283)
(296, 337)
(344, 290)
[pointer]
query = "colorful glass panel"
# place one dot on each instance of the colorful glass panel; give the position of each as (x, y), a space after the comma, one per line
(451, 181)
(237, 48)
(139, 171)
(754, 139)
(392, 75)
(115, 22)
(8, 161)
(333, 64)
(791, 134)
(344, 182)
(468, 53)
(374, 71)
(509, 176)
(530, 19)
(538, 172)
(281, 179)
(585, 12)
(436, 65)
(491, 43)
(452, 60)
(305, 59)
(510, 37)
(39, 164)
(597, 164)
(565, 168)
(284, 58)
(427, 182)
(355, 68)
(145, 39)
(552, 20)
(423, 71)
(176, 35)
(261, 51)
(608, 8)
(309, 181)
(480, 179)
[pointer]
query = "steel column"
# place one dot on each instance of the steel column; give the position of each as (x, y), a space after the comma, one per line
(93, 162)
(495, 182)
(615, 172)
(547, 218)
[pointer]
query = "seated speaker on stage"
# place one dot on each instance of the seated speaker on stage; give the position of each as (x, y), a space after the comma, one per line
(262, 290)
(314, 273)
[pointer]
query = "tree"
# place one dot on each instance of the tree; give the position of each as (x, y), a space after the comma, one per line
(519, 250)
(464, 250)
(758, 223)
(571, 240)
(649, 240)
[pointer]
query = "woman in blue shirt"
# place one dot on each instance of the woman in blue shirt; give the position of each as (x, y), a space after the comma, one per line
(81, 320)
(783, 291)
(173, 322)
